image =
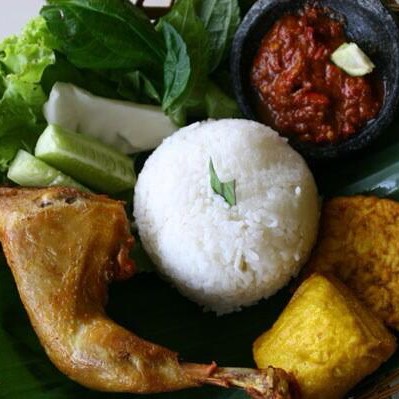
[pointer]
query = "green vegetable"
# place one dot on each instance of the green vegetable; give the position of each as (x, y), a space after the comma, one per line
(111, 49)
(86, 159)
(198, 35)
(126, 126)
(28, 54)
(28, 171)
(188, 25)
(352, 60)
(23, 60)
(105, 34)
(221, 19)
(137, 87)
(63, 71)
(226, 190)
(177, 68)
(15, 111)
(10, 144)
(218, 104)
(133, 86)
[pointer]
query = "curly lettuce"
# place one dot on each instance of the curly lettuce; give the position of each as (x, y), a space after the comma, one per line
(23, 59)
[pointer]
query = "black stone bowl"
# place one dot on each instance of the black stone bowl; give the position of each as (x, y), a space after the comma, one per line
(367, 22)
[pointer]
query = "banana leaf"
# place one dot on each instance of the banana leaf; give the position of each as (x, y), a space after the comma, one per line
(154, 310)
(151, 308)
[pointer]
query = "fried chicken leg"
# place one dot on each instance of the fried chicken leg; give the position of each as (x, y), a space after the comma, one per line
(63, 248)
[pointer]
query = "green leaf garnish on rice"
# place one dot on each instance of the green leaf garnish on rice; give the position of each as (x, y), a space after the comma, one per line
(227, 190)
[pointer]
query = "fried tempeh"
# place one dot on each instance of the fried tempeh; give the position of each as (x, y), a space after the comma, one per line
(63, 248)
(358, 243)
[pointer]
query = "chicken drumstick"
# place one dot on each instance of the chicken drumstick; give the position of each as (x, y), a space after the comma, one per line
(63, 248)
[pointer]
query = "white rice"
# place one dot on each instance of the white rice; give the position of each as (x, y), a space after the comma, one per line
(225, 257)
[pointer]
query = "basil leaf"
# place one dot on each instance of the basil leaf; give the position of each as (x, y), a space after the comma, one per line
(226, 190)
(219, 105)
(184, 19)
(178, 115)
(105, 34)
(221, 19)
(93, 81)
(114, 84)
(177, 68)
(136, 86)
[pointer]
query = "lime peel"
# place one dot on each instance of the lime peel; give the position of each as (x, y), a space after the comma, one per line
(350, 58)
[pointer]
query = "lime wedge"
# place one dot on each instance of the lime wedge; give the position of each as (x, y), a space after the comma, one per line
(29, 171)
(350, 58)
(86, 159)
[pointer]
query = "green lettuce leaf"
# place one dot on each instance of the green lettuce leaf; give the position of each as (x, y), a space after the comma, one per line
(20, 124)
(28, 54)
(23, 60)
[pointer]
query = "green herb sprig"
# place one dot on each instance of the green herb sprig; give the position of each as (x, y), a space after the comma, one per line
(227, 190)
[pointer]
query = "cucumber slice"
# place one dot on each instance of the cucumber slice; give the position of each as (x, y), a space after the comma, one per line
(29, 171)
(127, 126)
(86, 159)
(350, 58)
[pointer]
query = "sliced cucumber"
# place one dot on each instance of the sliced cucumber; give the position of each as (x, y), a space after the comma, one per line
(29, 171)
(127, 126)
(86, 159)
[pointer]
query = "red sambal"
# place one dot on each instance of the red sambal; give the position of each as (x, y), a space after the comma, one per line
(301, 92)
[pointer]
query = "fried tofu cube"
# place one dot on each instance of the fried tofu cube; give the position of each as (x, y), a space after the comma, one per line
(326, 338)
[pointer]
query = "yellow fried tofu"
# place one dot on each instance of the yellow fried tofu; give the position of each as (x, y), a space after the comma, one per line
(326, 338)
(359, 243)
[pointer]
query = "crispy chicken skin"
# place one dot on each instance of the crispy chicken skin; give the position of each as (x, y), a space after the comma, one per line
(63, 248)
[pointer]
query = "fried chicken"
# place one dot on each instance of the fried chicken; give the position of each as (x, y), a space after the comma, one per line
(358, 243)
(63, 248)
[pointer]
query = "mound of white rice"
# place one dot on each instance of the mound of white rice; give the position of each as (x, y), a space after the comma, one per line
(224, 257)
